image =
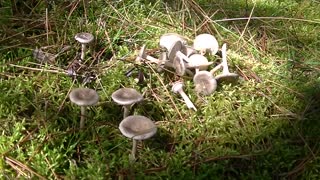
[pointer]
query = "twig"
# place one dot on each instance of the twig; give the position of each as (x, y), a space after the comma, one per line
(17, 165)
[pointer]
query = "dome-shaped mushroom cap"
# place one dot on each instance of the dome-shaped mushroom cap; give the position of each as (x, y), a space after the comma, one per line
(168, 39)
(126, 96)
(205, 83)
(206, 42)
(84, 96)
(84, 38)
(137, 127)
(198, 60)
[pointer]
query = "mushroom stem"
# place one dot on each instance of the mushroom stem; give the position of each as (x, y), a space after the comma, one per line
(187, 100)
(224, 59)
(182, 56)
(126, 111)
(134, 150)
(83, 50)
(82, 116)
(212, 71)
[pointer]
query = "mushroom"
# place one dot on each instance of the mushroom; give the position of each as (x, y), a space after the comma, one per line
(226, 76)
(126, 97)
(84, 38)
(206, 43)
(177, 88)
(83, 97)
(138, 128)
(168, 39)
(198, 62)
(204, 83)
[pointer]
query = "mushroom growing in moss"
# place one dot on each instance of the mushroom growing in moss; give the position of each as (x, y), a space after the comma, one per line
(84, 38)
(126, 97)
(137, 128)
(83, 97)
(226, 76)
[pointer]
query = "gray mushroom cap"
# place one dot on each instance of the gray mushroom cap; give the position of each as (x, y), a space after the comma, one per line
(228, 78)
(172, 51)
(179, 66)
(84, 38)
(84, 96)
(126, 96)
(205, 83)
(137, 127)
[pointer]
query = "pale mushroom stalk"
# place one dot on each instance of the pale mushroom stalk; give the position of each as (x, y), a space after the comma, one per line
(126, 110)
(83, 50)
(177, 88)
(226, 76)
(83, 116)
(212, 71)
(224, 64)
(134, 150)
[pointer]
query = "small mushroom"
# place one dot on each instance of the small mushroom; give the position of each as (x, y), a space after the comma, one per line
(177, 88)
(83, 97)
(84, 38)
(137, 128)
(226, 76)
(168, 39)
(206, 43)
(126, 97)
(204, 83)
(198, 62)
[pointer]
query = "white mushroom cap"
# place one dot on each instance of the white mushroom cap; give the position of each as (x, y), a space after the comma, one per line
(84, 96)
(126, 96)
(84, 38)
(205, 83)
(137, 127)
(206, 42)
(198, 61)
(168, 39)
(177, 86)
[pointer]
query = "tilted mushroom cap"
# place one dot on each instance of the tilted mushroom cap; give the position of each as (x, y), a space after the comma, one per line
(198, 61)
(168, 39)
(137, 127)
(206, 42)
(205, 83)
(84, 96)
(179, 66)
(126, 96)
(84, 38)
(177, 86)
(228, 78)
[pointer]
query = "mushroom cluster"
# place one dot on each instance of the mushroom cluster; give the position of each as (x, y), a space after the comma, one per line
(190, 60)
